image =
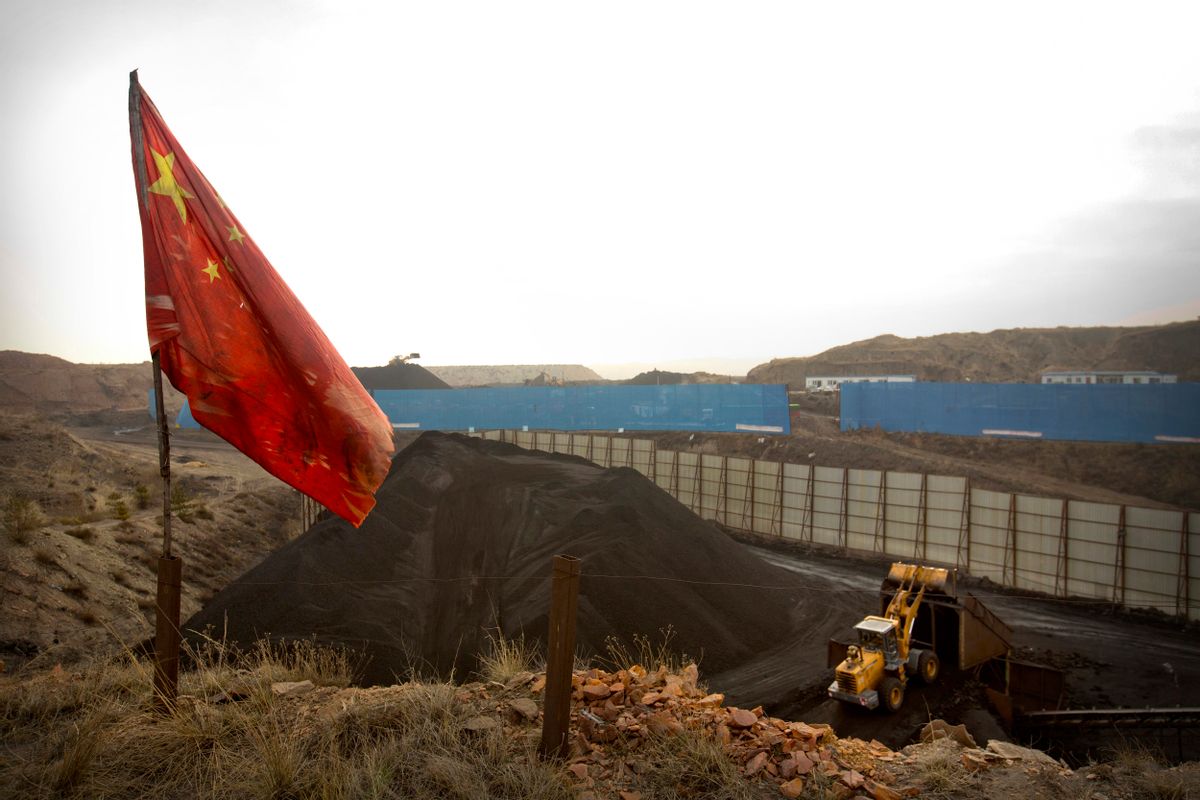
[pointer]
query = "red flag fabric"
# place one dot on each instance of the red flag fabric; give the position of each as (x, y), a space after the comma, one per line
(256, 368)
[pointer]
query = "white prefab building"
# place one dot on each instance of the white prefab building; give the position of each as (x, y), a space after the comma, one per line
(827, 383)
(1107, 376)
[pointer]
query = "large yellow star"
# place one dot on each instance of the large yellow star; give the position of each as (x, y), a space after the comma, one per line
(166, 185)
(211, 270)
(234, 234)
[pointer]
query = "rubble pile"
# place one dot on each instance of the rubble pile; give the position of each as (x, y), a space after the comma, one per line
(611, 708)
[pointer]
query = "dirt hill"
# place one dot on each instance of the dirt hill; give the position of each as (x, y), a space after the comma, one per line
(1002, 356)
(517, 374)
(658, 377)
(62, 390)
(78, 575)
(57, 388)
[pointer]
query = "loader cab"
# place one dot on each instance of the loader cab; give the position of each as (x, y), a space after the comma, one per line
(879, 635)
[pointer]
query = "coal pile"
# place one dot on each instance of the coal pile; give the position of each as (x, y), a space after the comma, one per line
(398, 376)
(460, 544)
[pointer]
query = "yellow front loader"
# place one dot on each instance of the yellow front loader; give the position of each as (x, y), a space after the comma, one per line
(875, 671)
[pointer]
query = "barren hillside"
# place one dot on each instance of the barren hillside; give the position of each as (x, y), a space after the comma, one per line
(1002, 356)
(79, 573)
(55, 387)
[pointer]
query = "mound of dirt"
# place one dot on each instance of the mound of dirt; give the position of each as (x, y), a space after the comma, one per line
(658, 377)
(1001, 356)
(463, 375)
(460, 545)
(398, 376)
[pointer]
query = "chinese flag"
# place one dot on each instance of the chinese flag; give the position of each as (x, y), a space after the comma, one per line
(256, 368)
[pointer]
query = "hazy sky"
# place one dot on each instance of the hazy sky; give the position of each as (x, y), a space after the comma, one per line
(645, 182)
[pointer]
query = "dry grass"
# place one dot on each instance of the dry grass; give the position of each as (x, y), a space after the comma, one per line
(83, 533)
(507, 658)
(692, 765)
(75, 588)
(1136, 765)
(939, 771)
(96, 735)
(645, 652)
(46, 556)
(21, 516)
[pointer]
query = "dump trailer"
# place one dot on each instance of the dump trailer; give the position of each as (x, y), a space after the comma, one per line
(924, 626)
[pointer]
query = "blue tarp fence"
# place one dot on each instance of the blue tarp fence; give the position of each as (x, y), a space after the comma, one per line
(183, 419)
(748, 408)
(1162, 413)
(751, 408)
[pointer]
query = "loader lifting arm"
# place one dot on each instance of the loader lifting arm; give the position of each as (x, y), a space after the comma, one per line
(879, 670)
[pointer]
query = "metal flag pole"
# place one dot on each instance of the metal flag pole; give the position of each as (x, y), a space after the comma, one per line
(170, 567)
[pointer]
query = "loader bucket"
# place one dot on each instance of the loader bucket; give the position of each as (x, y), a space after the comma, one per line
(960, 629)
(934, 579)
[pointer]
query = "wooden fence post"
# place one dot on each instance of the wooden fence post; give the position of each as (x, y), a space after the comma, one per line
(560, 657)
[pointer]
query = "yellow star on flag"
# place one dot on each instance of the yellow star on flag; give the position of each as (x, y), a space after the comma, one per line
(211, 270)
(234, 234)
(166, 185)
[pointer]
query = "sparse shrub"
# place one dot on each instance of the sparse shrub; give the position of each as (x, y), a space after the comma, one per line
(182, 502)
(141, 494)
(650, 655)
(203, 513)
(691, 764)
(120, 510)
(506, 657)
(82, 533)
(75, 588)
(45, 555)
(22, 517)
(128, 538)
(88, 617)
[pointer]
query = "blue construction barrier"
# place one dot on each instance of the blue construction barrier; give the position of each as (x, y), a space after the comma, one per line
(751, 408)
(183, 419)
(1160, 413)
(746, 408)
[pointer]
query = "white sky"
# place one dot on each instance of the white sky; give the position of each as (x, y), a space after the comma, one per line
(641, 183)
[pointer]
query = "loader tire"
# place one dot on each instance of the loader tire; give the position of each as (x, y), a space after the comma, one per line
(928, 667)
(891, 694)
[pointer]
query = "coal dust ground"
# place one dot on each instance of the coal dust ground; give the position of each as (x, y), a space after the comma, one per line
(1110, 659)
(460, 545)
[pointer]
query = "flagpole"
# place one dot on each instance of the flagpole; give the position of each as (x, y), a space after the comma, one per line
(170, 566)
